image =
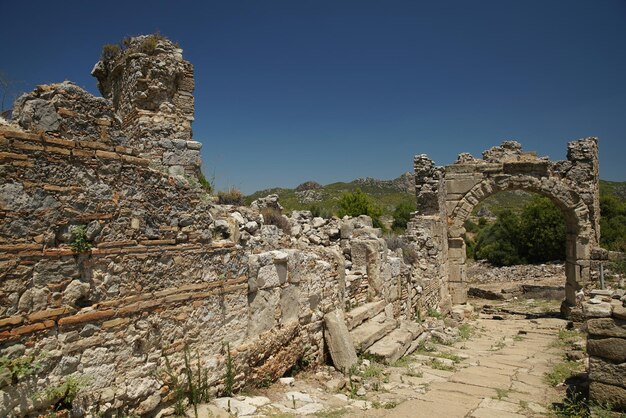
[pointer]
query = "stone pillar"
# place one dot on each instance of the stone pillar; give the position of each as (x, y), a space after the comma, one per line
(428, 231)
(585, 180)
(151, 87)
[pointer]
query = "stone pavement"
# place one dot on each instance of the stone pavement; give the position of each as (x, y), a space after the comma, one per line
(502, 376)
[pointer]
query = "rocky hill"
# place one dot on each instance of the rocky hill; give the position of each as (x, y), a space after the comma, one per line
(390, 193)
(324, 199)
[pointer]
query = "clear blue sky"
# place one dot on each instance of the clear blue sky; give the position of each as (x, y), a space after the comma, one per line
(289, 91)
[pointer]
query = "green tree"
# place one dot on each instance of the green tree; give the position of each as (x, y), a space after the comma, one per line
(402, 215)
(612, 223)
(542, 231)
(358, 203)
(498, 243)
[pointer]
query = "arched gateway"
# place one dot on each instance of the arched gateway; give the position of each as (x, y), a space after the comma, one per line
(447, 195)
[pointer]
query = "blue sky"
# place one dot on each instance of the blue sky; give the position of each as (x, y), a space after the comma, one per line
(290, 91)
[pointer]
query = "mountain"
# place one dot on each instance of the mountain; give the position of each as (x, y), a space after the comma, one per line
(390, 193)
(324, 199)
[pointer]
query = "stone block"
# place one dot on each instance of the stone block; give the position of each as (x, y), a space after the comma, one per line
(339, 341)
(612, 349)
(607, 327)
(458, 292)
(608, 394)
(460, 185)
(456, 271)
(607, 372)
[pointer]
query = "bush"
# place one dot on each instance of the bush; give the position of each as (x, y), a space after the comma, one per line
(79, 242)
(613, 223)
(232, 196)
(402, 215)
(273, 216)
(110, 51)
(538, 235)
(206, 184)
(358, 203)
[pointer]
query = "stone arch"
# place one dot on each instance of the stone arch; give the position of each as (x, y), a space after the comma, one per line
(447, 195)
(573, 208)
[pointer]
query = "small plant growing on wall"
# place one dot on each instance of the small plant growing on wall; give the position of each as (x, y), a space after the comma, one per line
(79, 243)
(17, 368)
(62, 395)
(229, 375)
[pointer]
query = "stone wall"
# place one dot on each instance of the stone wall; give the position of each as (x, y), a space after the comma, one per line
(606, 347)
(114, 261)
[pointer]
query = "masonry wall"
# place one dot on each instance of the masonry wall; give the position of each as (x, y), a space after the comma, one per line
(163, 270)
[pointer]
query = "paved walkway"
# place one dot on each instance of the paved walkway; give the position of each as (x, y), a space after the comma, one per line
(501, 376)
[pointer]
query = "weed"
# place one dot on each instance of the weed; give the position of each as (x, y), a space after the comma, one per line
(110, 51)
(402, 362)
(502, 393)
(518, 338)
(207, 185)
(449, 356)
(523, 404)
(466, 331)
(373, 370)
(562, 371)
(566, 338)
(19, 367)
(229, 376)
(187, 385)
(432, 312)
(415, 373)
(438, 365)
(273, 216)
(499, 345)
(63, 395)
(265, 382)
(573, 406)
(232, 196)
(332, 413)
(79, 242)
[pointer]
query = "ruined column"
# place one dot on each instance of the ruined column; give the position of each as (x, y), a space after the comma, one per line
(428, 231)
(151, 87)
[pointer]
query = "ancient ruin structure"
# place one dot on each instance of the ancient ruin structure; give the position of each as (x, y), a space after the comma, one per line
(447, 195)
(115, 262)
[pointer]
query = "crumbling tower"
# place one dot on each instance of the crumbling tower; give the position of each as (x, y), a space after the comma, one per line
(151, 88)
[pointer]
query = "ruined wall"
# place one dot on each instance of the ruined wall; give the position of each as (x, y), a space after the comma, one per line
(606, 347)
(151, 89)
(114, 261)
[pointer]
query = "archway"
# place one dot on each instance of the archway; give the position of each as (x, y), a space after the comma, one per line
(447, 195)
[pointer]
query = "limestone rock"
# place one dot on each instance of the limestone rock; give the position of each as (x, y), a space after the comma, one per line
(339, 341)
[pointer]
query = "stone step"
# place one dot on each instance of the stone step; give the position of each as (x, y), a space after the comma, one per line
(393, 346)
(371, 331)
(364, 312)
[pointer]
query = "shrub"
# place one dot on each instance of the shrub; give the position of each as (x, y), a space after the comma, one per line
(402, 215)
(273, 216)
(358, 203)
(110, 51)
(232, 196)
(79, 242)
(206, 184)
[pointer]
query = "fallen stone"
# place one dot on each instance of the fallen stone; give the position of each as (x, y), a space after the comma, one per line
(234, 406)
(339, 341)
(298, 396)
(600, 310)
(287, 381)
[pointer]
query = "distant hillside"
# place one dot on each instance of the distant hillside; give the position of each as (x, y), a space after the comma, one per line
(615, 188)
(390, 193)
(310, 195)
